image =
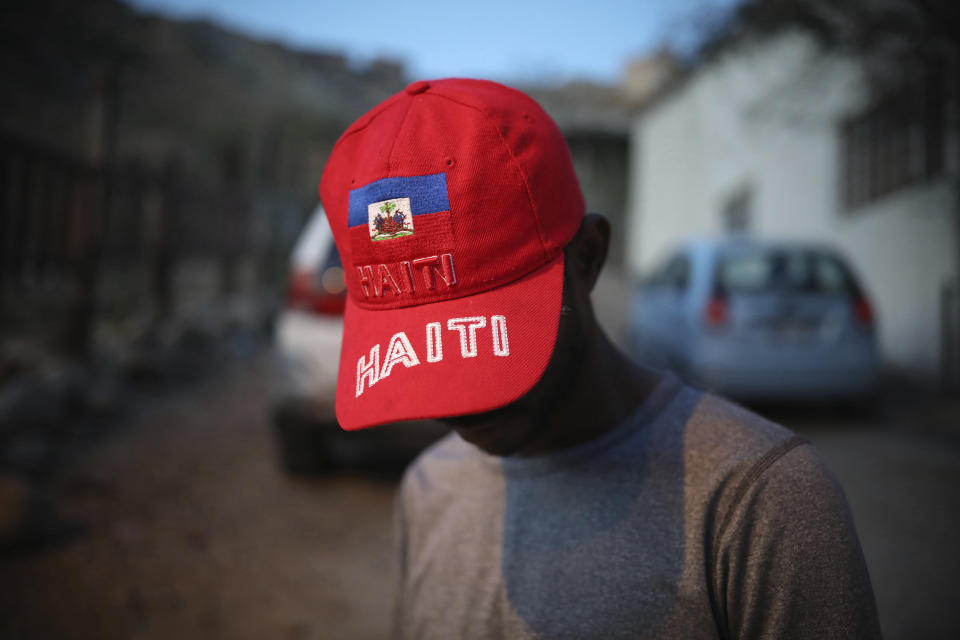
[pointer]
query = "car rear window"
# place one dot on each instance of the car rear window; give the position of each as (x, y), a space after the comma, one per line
(783, 270)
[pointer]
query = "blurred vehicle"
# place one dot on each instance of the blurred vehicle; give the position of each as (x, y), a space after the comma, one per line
(304, 370)
(758, 321)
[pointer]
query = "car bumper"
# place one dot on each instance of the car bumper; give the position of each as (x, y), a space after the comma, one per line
(310, 440)
(800, 371)
(304, 362)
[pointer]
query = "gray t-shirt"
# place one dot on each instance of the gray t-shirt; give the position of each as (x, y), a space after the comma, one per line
(694, 519)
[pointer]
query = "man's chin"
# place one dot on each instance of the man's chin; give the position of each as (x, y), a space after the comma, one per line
(496, 433)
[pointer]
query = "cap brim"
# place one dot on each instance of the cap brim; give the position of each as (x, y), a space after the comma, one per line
(513, 329)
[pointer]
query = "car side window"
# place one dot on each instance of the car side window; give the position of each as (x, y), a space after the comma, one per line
(675, 274)
(679, 274)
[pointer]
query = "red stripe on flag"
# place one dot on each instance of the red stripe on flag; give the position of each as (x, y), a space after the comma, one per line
(432, 235)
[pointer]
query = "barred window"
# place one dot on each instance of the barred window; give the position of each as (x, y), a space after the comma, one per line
(896, 142)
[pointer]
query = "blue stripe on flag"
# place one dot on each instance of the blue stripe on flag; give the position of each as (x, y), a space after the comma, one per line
(428, 194)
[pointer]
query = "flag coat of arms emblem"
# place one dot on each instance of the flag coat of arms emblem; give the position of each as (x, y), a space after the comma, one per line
(390, 219)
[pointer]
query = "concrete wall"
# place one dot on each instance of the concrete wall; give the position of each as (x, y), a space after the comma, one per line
(765, 118)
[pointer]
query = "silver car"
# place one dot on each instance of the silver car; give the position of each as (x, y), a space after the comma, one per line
(306, 358)
(758, 321)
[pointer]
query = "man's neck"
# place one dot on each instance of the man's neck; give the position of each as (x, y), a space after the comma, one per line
(606, 390)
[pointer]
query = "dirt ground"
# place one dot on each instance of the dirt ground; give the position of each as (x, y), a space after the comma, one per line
(191, 531)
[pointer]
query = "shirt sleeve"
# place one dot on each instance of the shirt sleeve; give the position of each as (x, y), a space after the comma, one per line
(400, 555)
(788, 562)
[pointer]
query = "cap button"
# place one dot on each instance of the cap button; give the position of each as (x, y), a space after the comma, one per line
(417, 87)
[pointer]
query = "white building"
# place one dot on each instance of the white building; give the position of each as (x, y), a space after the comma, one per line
(778, 139)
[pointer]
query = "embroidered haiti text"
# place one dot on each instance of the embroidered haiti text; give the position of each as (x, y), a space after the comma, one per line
(400, 351)
(407, 276)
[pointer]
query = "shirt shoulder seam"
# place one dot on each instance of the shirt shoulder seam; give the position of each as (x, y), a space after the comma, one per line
(753, 474)
(757, 470)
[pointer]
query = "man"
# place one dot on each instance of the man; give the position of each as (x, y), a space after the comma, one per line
(581, 496)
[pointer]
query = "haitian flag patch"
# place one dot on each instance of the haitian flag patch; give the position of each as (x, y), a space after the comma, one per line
(393, 218)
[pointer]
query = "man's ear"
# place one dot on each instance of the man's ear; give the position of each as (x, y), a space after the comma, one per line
(587, 252)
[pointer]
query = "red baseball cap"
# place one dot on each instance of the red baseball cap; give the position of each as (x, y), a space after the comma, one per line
(450, 203)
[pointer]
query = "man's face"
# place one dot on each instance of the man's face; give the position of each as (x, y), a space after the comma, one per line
(510, 429)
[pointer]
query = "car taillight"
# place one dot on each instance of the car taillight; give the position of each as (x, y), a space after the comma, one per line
(862, 311)
(323, 295)
(715, 313)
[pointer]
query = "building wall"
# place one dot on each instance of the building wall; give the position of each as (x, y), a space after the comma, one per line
(600, 161)
(764, 120)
